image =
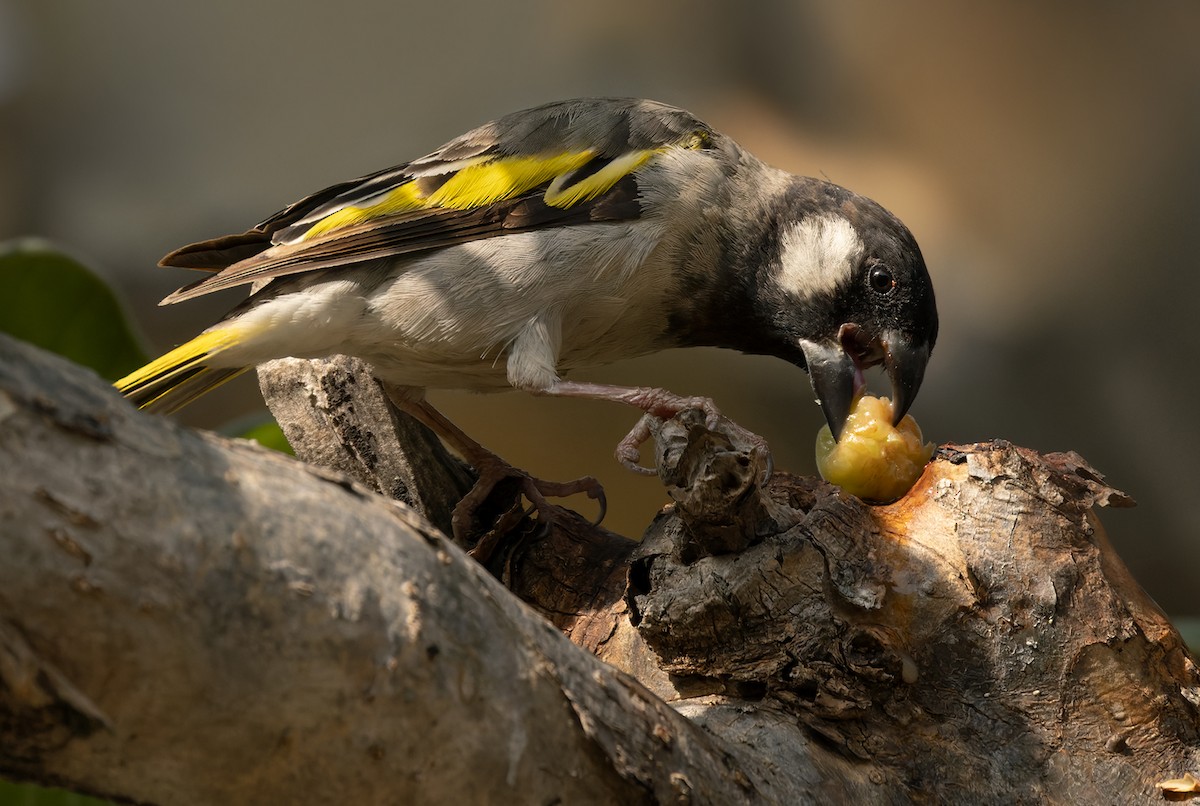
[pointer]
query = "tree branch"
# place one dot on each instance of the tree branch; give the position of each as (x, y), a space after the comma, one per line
(185, 619)
(336, 415)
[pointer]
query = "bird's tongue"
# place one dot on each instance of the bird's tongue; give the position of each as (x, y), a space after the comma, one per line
(856, 345)
(860, 381)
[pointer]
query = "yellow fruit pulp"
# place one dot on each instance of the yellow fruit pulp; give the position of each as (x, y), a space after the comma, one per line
(874, 460)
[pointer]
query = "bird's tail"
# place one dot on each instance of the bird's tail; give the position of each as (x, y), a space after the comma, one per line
(171, 382)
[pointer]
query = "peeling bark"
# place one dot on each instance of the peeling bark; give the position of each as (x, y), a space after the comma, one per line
(336, 415)
(185, 619)
(977, 641)
(188, 619)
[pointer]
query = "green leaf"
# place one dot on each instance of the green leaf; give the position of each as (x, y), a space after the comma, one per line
(260, 427)
(30, 795)
(51, 300)
(1189, 628)
(269, 434)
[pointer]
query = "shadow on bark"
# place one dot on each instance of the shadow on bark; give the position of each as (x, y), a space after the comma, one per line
(183, 619)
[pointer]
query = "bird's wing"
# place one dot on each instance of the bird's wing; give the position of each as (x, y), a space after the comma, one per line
(570, 162)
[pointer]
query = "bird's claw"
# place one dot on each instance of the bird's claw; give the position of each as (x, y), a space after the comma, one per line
(537, 491)
(628, 451)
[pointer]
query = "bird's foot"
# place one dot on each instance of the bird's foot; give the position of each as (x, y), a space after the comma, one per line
(629, 449)
(493, 471)
(663, 406)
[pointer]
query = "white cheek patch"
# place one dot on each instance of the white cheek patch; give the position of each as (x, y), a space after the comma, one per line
(818, 254)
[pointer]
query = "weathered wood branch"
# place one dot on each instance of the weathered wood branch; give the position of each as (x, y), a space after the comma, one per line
(183, 619)
(978, 639)
(336, 415)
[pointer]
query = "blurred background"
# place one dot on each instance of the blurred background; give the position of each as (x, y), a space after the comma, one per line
(1045, 155)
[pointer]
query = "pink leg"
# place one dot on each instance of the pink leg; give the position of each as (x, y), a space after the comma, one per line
(491, 468)
(657, 403)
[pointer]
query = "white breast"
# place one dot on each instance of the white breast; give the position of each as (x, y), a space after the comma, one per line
(510, 310)
(450, 318)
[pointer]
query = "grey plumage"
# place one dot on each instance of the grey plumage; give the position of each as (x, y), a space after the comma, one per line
(561, 237)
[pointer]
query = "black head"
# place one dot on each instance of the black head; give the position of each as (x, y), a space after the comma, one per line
(852, 291)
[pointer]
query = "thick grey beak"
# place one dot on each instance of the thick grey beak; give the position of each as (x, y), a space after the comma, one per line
(836, 372)
(836, 378)
(905, 365)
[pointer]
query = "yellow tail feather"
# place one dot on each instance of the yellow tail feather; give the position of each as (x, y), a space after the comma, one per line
(180, 376)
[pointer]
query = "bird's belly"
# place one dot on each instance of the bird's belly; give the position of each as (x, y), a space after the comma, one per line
(593, 335)
(410, 368)
(448, 319)
(606, 333)
(454, 315)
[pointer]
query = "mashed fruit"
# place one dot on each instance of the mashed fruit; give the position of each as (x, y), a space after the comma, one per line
(874, 460)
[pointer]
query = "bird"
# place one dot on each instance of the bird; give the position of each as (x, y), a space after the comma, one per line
(554, 239)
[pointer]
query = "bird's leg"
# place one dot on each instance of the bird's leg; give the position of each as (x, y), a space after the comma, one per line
(490, 467)
(657, 404)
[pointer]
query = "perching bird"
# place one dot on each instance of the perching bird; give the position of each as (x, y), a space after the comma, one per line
(557, 238)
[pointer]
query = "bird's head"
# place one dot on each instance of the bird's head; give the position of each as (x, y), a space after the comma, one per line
(852, 292)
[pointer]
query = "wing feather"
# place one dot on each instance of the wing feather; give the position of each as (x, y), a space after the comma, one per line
(394, 236)
(561, 164)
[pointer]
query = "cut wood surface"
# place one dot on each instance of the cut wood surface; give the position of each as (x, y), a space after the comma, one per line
(189, 619)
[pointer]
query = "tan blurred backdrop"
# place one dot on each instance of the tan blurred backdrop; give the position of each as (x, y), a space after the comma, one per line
(1045, 155)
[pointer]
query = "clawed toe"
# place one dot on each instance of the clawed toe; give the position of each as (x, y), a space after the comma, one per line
(657, 405)
(537, 491)
(628, 451)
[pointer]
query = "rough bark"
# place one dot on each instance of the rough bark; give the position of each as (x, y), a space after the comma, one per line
(336, 415)
(185, 619)
(977, 641)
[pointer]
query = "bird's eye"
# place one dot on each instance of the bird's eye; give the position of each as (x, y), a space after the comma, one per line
(881, 280)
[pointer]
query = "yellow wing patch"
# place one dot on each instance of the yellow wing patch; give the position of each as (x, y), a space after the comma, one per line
(477, 185)
(397, 200)
(482, 181)
(473, 185)
(593, 185)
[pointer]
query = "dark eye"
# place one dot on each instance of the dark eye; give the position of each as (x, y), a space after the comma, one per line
(881, 280)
